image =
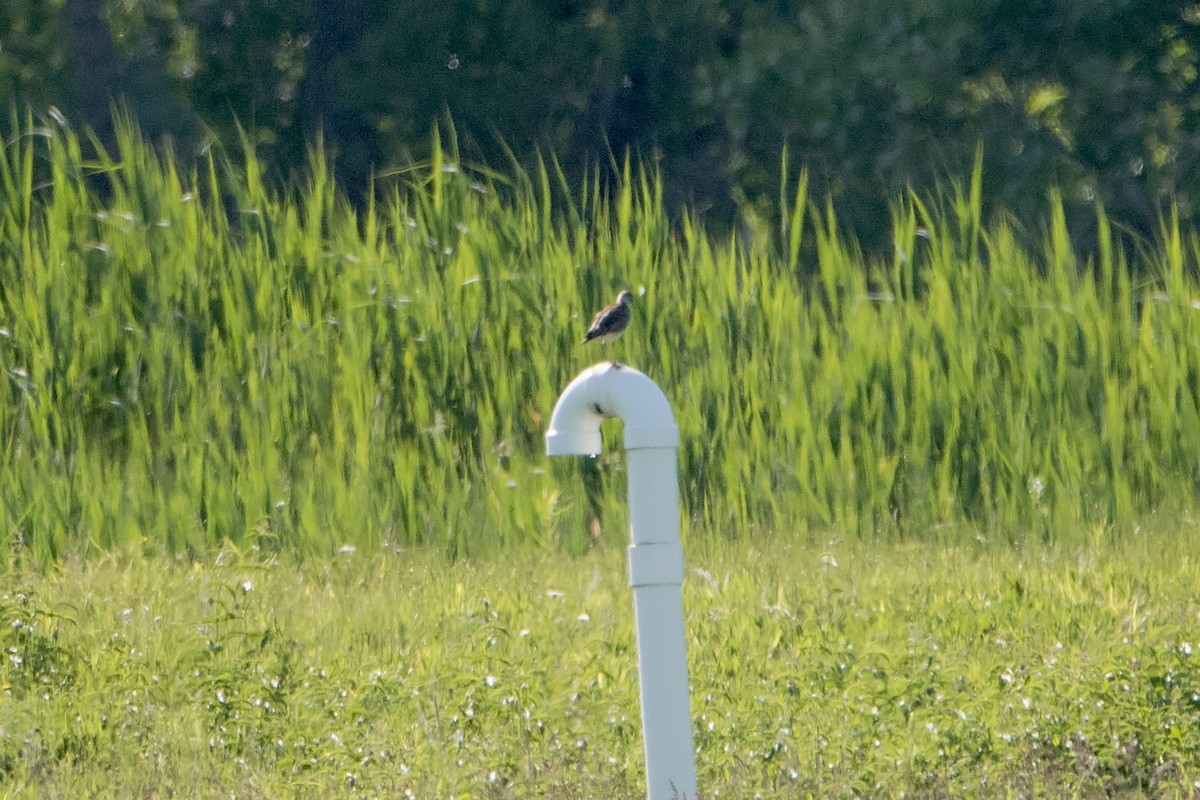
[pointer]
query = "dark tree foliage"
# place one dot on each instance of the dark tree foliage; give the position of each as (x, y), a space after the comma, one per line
(1098, 98)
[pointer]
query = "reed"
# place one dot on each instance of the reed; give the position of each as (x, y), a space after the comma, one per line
(193, 357)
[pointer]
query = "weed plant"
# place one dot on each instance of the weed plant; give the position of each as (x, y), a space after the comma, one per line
(940, 504)
(839, 669)
(192, 357)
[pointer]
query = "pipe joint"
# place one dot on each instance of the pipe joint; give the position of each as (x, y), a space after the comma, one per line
(656, 564)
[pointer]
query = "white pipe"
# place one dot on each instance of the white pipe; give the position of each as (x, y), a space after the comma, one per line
(655, 555)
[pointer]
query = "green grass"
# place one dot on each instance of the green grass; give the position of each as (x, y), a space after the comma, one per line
(191, 357)
(278, 521)
(842, 669)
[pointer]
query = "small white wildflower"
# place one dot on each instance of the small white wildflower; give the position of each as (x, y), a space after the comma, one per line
(1037, 485)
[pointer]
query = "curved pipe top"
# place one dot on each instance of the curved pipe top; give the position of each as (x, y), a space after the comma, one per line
(607, 390)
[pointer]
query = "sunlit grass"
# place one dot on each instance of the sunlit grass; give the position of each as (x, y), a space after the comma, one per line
(841, 668)
(191, 357)
(939, 507)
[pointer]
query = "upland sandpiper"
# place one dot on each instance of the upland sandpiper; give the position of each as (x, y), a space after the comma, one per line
(610, 322)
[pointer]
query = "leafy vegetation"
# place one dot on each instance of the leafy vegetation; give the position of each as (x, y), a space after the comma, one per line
(940, 507)
(836, 669)
(191, 358)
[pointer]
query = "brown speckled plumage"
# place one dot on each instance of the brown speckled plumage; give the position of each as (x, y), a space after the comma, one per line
(610, 322)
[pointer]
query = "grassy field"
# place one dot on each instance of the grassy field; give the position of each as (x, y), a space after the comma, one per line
(834, 670)
(192, 358)
(277, 519)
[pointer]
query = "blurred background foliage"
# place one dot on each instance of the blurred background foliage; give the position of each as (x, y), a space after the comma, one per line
(1100, 98)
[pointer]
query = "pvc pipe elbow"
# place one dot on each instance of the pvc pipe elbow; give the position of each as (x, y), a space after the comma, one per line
(608, 390)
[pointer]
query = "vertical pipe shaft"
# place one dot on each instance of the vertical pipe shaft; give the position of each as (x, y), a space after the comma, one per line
(656, 573)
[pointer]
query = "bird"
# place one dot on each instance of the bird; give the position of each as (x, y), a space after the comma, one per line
(610, 322)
